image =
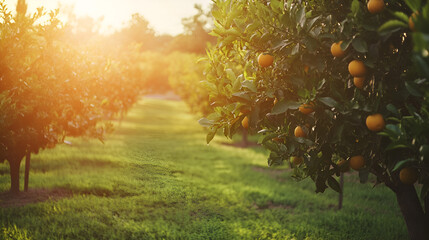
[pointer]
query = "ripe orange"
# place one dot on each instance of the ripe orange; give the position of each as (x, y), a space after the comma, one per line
(336, 50)
(357, 162)
(357, 68)
(375, 6)
(344, 167)
(411, 21)
(306, 108)
(265, 60)
(245, 123)
(375, 122)
(358, 82)
(299, 132)
(297, 160)
(408, 175)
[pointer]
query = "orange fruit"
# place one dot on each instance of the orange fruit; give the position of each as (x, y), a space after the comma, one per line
(299, 132)
(336, 50)
(358, 82)
(375, 6)
(297, 160)
(357, 68)
(357, 162)
(344, 167)
(408, 175)
(375, 122)
(245, 122)
(306, 108)
(411, 21)
(265, 60)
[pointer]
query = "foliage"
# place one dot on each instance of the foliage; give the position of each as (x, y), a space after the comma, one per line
(185, 76)
(299, 34)
(51, 89)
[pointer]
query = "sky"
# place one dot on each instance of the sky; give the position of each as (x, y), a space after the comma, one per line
(164, 16)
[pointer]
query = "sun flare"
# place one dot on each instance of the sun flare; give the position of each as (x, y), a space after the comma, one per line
(165, 16)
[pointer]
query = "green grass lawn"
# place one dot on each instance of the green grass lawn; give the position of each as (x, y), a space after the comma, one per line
(155, 178)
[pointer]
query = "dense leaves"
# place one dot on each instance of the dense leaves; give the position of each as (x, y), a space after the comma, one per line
(299, 35)
(50, 89)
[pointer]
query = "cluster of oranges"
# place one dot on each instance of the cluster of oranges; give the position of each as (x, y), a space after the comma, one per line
(358, 71)
(374, 122)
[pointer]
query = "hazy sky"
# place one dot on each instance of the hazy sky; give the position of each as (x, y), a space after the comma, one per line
(164, 15)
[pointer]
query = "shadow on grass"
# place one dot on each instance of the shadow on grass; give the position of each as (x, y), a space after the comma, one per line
(33, 196)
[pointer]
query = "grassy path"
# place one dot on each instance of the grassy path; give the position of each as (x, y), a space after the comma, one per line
(155, 178)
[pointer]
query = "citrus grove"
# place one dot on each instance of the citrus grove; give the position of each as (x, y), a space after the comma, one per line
(51, 89)
(330, 85)
(60, 80)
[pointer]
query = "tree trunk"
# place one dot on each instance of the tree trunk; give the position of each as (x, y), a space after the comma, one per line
(14, 165)
(426, 202)
(340, 197)
(27, 170)
(411, 208)
(245, 140)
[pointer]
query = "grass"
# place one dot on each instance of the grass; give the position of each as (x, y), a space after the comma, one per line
(155, 178)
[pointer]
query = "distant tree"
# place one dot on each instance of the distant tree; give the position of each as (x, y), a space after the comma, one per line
(137, 30)
(196, 33)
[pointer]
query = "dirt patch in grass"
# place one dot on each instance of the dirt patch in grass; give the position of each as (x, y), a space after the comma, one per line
(8, 200)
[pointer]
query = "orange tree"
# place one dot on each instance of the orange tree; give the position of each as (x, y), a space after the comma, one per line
(352, 75)
(49, 90)
(185, 74)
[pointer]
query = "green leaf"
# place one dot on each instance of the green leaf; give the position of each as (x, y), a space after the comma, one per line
(211, 135)
(264, 131)
(230, 74)
(206, 122)
(328, 101)
(355, 6)
(333, 183)
(360, 45)
(413, 89)
(300, 17)
(305, 141)
(268, 137)
(282, 106)
(276, 6)
(413, 4)
(424, 191)
(391, 108)
(394, 128)
(391, 26)
(242, 96)
(249, 84)
(393, 146)
(401, 16)
(345, 44)
(402, 163)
